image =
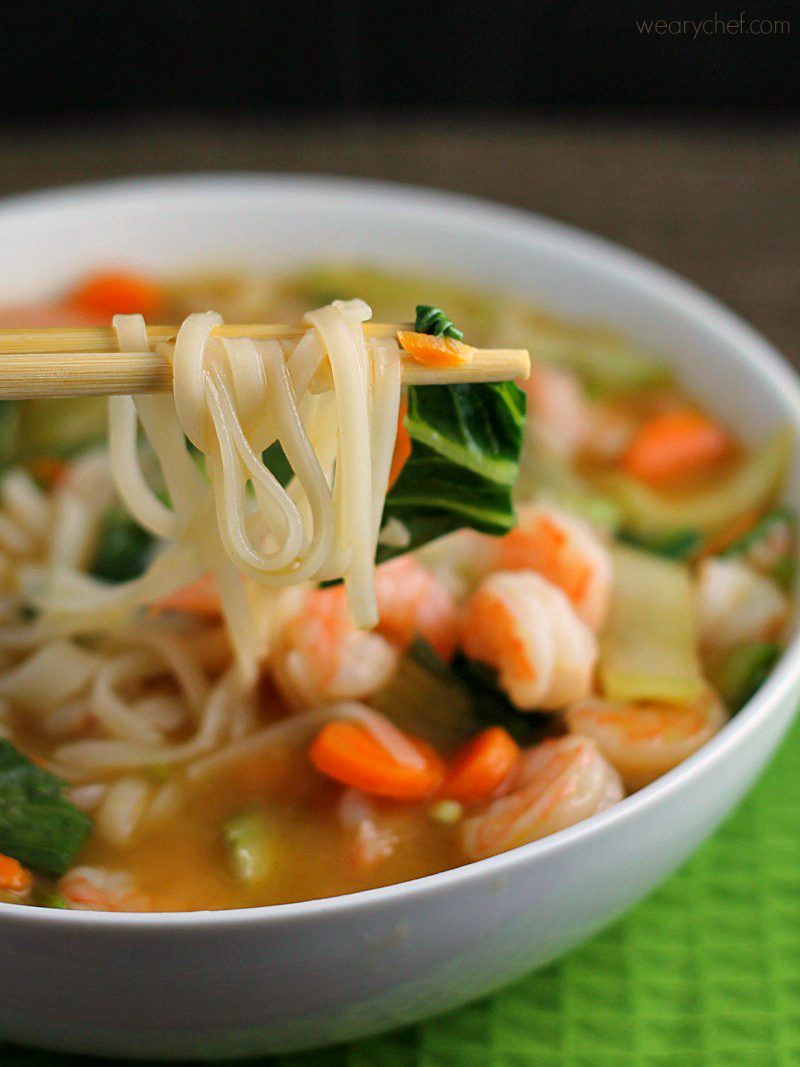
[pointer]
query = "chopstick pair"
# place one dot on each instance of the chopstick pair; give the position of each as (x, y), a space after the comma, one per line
(38, 364)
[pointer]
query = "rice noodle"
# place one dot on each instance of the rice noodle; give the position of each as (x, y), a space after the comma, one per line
(88, 797)
(298, 728)
(121, 809)
(25, 503)
(166, 801)
(54, 673)
(119, 692)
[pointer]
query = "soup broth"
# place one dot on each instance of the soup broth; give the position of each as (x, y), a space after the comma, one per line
(539, 676)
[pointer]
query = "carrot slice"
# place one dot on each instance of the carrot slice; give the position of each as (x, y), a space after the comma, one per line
(14, 878)
(199, 598)
(349, 753)
(402, 445)
(435, 351)
(481, 766)
(118, 293)
(675, 445)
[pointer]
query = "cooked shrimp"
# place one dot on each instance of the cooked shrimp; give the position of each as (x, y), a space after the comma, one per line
(561, 781)
(734, 603)
(525, 627)
(321, 656)
(556, 409)
(372, 842)
(97, 889)
(413, 601)
(566, 551)
(644, 741)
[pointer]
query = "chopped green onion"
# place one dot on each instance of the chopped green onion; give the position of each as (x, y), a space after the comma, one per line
(433, 321)
(446, 812)
(248, 836)
(53, 899)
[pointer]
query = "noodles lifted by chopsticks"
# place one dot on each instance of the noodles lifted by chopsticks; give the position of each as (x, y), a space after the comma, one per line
(233, 398)
(142, 692)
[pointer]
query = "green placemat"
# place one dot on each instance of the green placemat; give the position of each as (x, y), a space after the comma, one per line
(705, 972)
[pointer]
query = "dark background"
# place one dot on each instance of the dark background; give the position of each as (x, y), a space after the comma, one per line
(82, 59)
(682, 148)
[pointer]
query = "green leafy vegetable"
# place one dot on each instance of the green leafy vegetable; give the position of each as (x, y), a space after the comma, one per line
(465, 446)
(491, 706)
(784, 570)
(38, 825)
(124, 548)
(425, 699)
(770, 545)
(465, 450)
(434, 321)
(743, 670)
(477, 699)
(274, 459)
(675, 544)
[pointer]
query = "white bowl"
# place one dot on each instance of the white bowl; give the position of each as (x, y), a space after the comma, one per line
(301, 975)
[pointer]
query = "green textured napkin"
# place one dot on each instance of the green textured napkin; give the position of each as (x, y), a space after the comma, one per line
(705, 972)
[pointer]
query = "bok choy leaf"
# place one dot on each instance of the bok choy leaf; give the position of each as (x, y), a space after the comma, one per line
(39, 826)
(465, 447)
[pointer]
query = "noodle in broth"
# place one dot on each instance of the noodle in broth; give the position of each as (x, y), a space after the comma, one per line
(256, 681)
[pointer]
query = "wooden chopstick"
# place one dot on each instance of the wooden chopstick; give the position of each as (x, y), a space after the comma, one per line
(57, 363)
(104, 339)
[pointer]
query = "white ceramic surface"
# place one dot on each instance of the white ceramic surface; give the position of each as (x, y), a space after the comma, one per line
(299, 975)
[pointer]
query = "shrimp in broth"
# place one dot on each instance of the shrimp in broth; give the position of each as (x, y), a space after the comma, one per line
(361, 631)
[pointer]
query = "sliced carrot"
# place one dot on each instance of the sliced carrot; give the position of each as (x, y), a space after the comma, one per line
(349, 753)
(675, 445)
(481, 766)
(435, 351)
(402, 445)
(14, 878)
(48, 471)
(119, 293)
(199, 598)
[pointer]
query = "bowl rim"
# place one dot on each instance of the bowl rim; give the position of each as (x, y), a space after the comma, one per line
(600, 255)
